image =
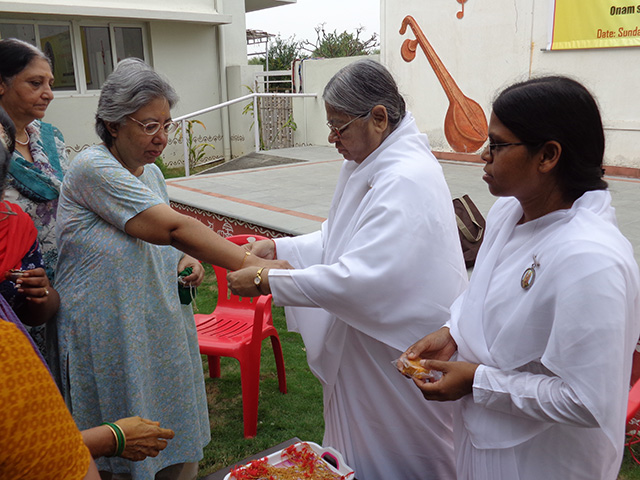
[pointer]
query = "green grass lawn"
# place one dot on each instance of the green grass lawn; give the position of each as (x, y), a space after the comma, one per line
(280, 417)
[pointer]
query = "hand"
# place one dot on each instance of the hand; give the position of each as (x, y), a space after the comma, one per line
(456, 381)
(197, 276)
(438, 345)
(262, 248)
(34, 285)
(144, 438)
(42, 300)
(242, 282)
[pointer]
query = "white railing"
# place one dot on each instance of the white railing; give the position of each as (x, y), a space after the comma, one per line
(267, 79)
(256, 125)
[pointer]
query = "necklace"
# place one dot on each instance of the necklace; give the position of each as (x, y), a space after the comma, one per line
(23, 143)
(529, 275)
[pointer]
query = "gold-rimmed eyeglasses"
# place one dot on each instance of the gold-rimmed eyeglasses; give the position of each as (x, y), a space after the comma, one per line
(337, 131)
(152, 128)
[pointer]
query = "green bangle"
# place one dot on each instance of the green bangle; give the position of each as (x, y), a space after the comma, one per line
(121, 441)
(115, 436)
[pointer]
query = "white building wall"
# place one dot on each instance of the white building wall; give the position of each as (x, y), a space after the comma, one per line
(239, 77)
(186, 55)
(495, 44)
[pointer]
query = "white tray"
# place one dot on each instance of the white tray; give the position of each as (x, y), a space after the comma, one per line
(330, 455)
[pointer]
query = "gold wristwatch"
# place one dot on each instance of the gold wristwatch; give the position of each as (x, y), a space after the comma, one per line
(258, 280)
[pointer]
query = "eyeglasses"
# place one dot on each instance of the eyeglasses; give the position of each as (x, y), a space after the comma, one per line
(152, 128)
(337, 131)
(494, 146)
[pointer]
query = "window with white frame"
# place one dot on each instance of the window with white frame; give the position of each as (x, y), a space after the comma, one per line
(82, 55)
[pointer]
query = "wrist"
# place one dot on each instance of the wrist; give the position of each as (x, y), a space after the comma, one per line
(120, 440)
(261, 279)
(245, 257)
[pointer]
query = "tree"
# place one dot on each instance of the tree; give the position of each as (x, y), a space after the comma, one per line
(282, 53)
(334, 44)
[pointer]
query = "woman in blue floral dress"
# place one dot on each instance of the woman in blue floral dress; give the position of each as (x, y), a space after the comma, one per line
(127, 345)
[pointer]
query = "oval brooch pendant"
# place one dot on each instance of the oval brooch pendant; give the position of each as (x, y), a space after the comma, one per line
(528, 277)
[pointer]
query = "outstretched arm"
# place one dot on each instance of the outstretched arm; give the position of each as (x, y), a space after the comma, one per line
(162, 225)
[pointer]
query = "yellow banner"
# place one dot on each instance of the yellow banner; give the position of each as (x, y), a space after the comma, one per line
(595, 24)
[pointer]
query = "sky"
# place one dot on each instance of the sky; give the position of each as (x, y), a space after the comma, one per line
(301, 18)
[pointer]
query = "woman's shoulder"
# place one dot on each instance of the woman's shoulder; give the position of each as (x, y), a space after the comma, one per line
(92, 152)
(90, 158)
(153, 170)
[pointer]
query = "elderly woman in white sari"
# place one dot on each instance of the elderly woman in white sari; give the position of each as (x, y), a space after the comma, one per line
(545, 333)
(386, 264)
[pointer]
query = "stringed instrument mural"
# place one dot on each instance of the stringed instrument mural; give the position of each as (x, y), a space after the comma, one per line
(460, 14)
(465, 124)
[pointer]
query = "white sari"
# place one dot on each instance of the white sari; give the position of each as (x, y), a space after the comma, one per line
(380, 274)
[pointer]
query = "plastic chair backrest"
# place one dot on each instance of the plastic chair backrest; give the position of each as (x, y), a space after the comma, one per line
(225, 297)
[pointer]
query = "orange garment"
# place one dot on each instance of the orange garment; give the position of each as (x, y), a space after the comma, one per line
(39, 438)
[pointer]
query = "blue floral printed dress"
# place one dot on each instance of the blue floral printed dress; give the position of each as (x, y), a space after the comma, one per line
(127, 345)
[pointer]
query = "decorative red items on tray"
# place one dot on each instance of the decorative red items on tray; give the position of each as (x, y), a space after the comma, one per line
(300, 461)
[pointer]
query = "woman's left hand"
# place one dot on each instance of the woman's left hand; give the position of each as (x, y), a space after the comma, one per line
(35, 286)
(456, 381)
(242, 282)
(197, 276)
(43, 300)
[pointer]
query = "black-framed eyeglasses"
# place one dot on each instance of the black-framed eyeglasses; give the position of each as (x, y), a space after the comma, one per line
(337, 131)
(492, 147)
(152, 128)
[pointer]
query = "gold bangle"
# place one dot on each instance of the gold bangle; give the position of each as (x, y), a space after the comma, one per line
(115, 435)
(246, 254)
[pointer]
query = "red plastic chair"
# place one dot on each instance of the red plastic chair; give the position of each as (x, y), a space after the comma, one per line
(633, 404)
(236, 328)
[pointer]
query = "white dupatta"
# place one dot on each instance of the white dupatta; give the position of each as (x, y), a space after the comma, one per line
(579, 318)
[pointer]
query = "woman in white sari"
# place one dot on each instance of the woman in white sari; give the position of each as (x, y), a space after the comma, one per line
(545, 332)
(386, 265)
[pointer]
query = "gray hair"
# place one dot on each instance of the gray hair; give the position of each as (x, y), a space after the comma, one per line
(362, 85)
(132, 85)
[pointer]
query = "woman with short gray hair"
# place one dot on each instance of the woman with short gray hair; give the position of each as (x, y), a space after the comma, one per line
(387, 262)
(130, 87)
(127, 345)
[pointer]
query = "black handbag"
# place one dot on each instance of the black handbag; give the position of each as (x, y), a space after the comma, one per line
(471, 225)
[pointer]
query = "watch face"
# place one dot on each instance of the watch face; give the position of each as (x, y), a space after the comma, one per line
(257, 280)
